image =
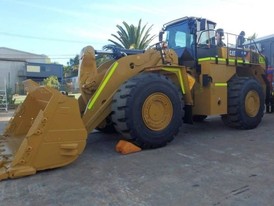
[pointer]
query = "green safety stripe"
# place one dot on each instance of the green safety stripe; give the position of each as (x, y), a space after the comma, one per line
(179, 75)
(221, 60)
(220, 84)
(102, 85)
(206, 59)
(261, 60)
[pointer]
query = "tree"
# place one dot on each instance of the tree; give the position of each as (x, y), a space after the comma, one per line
(102, 58)
(52, 81)
(131, 37)
(74, 61)
(72, 65)
(254, 36)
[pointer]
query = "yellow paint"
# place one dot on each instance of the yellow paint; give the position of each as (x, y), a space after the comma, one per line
(102, 86)
(179, 75)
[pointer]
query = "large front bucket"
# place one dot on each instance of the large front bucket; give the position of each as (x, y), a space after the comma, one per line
(45, 132)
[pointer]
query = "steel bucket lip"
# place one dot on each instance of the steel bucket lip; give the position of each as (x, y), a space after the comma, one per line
(9, 144)
(46, 131)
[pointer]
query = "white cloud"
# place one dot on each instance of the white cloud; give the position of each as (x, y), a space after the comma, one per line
(122, 7)
(55, 9)
(89, 35)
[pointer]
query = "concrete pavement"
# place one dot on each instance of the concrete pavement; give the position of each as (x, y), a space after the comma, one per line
(206, 164)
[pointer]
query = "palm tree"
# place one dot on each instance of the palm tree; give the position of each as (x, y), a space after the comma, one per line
(131, 37)
(254, 36)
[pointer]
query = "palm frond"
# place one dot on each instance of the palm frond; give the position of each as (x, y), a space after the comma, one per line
(132, 37)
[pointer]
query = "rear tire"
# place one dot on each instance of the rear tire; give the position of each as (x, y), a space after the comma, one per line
(245, 103)
(148, 110)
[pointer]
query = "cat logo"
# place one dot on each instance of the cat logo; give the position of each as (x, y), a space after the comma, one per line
(237, 53)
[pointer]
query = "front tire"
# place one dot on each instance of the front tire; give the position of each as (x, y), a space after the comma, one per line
(148, 110)
(245, 103)
(107, 126)
(199, 118)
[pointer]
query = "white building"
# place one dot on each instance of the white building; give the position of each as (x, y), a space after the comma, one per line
(14, 67)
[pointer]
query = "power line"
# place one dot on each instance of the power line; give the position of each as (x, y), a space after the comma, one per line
(69, 57)
(39, 56)
(42, 38)
(35, 58)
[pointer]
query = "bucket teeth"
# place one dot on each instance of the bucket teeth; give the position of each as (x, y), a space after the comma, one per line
(46, 132)
(5, 162)
(5, 158)
(2, 140)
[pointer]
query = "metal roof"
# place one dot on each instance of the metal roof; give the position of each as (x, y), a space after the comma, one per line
(184, 18)
(264, 38)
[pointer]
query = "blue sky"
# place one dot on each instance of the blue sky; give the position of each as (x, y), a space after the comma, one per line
(61, 28)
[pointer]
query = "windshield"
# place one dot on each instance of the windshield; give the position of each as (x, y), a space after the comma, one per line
(178, 36)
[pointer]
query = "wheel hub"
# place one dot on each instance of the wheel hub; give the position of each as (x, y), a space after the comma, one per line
(157, 111)
(252, 103)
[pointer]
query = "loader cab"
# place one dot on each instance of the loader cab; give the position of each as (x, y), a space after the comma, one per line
(185, 34)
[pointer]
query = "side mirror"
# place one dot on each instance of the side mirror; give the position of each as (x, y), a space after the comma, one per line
(161, 34)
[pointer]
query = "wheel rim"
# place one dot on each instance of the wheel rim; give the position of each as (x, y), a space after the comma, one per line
(157, 111)
(252, 103)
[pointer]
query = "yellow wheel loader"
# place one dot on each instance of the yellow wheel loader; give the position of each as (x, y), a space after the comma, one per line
(144, 95)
